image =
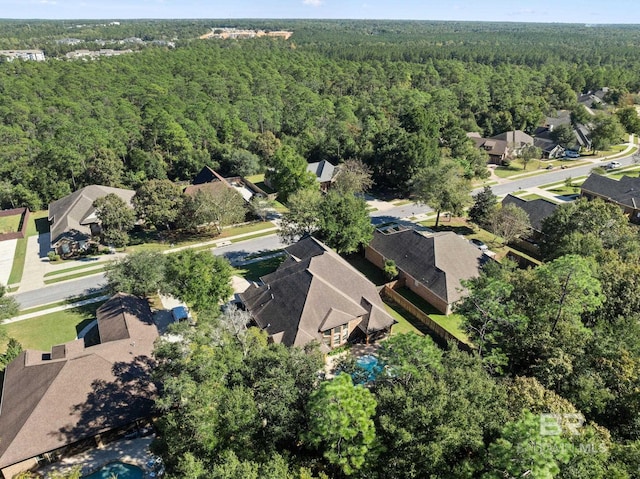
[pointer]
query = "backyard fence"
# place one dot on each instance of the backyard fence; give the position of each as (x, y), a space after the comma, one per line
(424, 318)
(23, 226)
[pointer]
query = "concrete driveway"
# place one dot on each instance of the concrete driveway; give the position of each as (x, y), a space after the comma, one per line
(7, 251)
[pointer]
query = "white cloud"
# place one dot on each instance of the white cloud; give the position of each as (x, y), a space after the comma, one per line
(313, 3)
(48, 2)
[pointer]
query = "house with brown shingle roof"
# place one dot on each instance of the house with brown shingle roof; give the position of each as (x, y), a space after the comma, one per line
(315, 295)
(431, 265)
(624, 192)
(73, 219)
(74, 395)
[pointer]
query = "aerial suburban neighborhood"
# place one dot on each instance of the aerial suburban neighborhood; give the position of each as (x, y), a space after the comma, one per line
(318, 249)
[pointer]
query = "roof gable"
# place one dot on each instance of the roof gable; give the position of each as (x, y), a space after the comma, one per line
(323, 170)
(439, 261)
(537, 209)
(312, 291)
(72, 214)
(625, 191)
(50, 400)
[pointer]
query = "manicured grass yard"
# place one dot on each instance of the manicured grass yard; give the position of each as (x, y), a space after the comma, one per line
(50, 329)
(254, 271)
(463, 227)
(452, 322)
(10, 224)
(149, 241)
(405, 324)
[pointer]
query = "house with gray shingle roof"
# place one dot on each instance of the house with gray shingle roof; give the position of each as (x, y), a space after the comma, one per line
(431, 265)
(537, 210)
(67, 398)
(72, 219)
(324, 172)
(315, 295)
(624, 192)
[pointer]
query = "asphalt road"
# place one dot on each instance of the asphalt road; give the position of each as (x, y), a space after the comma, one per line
(90, 284)
(236, 252)
(60, 291)
(551, 176)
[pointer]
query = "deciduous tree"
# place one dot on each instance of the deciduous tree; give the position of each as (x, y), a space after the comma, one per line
(116, 217)
(510, 222)
(158, 202)
(141, 274)
(443, 187)
(200, 279)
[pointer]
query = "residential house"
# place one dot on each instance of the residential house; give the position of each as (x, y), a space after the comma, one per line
(624, 192)
(502, 147)
(537, 210)
(593, 99)
(315, 295)
(209, 179)
(431, 265)
(75, 396)
(581, 132)
(73, 221)
(516, 140)
(497, 150)
(324, 172)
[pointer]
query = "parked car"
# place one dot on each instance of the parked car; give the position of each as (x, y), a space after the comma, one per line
(571, 154)
(479, 244)
(613, 165)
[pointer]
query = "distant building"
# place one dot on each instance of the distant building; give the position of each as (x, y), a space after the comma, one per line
(324, 172)
(34, 55)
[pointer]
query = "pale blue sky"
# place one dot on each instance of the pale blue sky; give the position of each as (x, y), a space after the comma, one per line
(564, 11)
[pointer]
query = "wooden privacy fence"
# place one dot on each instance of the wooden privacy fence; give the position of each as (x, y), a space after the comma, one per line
(24, 223)
(424, 318)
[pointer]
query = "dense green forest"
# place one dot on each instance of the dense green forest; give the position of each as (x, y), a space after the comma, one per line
(398, 95)
(559, 340)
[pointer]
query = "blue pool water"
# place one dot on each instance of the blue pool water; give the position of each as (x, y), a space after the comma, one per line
(371, 365)
(119, 470)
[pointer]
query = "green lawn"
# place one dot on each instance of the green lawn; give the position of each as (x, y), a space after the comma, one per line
(368, 269)
(258, 180)
(50, 329)
(38, 223)
(68, 270)
(10, 224)
(452, 322)
(149, 241)
(405, 323)
(254, 271)
(463, 227)
(81, 274)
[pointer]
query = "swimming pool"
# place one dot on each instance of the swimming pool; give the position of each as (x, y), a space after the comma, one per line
(117, 469)
(371, 365)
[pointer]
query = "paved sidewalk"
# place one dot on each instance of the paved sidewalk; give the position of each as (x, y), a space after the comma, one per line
(55, 309)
